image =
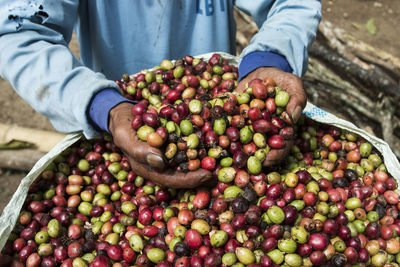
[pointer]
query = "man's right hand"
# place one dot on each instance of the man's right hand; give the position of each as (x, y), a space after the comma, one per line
(145, 160)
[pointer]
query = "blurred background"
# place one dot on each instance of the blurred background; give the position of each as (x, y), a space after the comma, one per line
(354, 72)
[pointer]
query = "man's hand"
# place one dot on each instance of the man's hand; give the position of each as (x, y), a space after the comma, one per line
(291, 84)
(146, 160)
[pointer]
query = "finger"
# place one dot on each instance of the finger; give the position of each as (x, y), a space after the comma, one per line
(277, 155)
(210, 183)
(191, 179)
(127, 140)
(241, 86)
(197, 178)
(298, 100)
(274, 157)
(172, 178)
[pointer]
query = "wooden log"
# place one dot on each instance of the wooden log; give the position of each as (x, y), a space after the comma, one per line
(241, 39)
(19, 159)
(351, 70)
(252, 26)
(329, 90)
(326, 28)
(361, 49)
(43, 140)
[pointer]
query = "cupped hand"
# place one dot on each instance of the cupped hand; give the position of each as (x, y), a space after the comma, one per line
(298, 100)
(145, 160)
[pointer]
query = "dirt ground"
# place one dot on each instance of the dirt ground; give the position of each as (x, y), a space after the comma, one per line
(352, 15)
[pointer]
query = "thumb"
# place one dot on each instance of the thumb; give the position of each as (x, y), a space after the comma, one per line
(146, 154)
(298, 100)
(127, 140)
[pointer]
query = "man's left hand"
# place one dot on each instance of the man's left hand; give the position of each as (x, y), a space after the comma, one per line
(291, 84)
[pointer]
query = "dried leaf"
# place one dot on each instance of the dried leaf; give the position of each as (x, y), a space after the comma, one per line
(16, 144)
(356, 25)
(371, 28)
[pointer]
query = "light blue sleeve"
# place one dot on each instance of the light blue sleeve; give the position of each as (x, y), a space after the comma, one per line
(286, 27)
(36, 60)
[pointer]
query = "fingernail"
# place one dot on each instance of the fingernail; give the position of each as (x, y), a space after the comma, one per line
(296, 114)
(205, 178)
(155, 161)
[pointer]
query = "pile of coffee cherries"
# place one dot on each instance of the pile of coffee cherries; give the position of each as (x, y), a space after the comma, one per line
(190, 110)
(331, 201)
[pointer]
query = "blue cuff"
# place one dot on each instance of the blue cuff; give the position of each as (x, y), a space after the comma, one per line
(101, 105)
(258, 59)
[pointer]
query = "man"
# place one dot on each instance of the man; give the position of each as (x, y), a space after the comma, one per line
(125, 36)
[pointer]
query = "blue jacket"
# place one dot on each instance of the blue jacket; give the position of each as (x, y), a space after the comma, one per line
(126, 36)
